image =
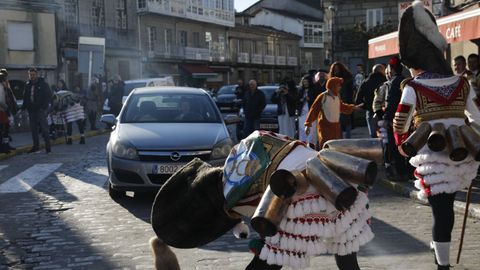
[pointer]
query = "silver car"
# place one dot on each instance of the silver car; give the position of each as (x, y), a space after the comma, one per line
(159, 129)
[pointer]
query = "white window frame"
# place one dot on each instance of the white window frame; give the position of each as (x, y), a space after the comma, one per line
(20, 36)
(152, 38)
(313, 34)
(374, 17)
(168, 40)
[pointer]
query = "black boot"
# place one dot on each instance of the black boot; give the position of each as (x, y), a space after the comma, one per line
(33, 149)
(82, 140)
(48, 148)
(4, 149)
(69, 141)
(258, 264)
(347, 262)
(443, 267)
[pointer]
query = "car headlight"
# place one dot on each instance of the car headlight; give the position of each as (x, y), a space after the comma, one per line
(124, 150)
(222, 149)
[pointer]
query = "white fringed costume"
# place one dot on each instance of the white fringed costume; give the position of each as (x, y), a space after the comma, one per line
(312, 225)
(435, 172)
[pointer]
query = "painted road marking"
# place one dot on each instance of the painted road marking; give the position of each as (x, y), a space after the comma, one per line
(3, 167)
(27, 179)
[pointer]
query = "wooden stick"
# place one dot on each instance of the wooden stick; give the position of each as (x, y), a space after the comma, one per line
(469, 194)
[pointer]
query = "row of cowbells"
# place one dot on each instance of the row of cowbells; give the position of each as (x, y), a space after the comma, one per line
(459, 141)
(332, 172)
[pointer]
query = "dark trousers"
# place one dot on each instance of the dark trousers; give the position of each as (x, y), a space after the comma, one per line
(250, 126)
(443, 216)
(392, 155)
(80, 125)
(38, 123)
(92, 118)
(115, 109)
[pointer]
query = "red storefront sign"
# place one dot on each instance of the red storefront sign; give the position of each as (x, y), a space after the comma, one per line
(455, 28)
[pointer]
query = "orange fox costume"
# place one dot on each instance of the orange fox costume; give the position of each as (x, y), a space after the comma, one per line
(326, 109)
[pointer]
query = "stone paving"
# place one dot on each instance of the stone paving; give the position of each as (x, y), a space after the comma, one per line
(68, 221)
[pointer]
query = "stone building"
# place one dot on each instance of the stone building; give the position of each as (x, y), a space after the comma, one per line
(305, 20)
(114, 20)
(27, 39)
(264, 54)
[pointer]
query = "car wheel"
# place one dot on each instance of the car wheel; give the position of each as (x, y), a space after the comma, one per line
(115, 194)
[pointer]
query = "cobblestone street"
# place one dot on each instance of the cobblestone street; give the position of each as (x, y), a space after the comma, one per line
(68, 221)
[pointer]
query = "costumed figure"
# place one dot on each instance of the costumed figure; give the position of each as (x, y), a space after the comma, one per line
(442, 108)
(8, 109)
(67, 108)
(302, 202)
(326, 110)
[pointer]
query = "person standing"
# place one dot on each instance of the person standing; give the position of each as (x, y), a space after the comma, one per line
(285, 98)
(253, 105)
(347, 94)
(240, 89)
(359, 76)
(473, 66)
(115, 97)
(36, 99)
(434, 95)
(8, 109)
(94, 97)
(366, 94)
(326, 110)
(306, 96)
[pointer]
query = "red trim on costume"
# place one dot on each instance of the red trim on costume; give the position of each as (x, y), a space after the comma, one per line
(436, 97)
(400, 138)
(425, 186)
(403, 108)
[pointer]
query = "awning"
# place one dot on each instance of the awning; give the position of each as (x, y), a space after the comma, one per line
(457, 27)
(199, 71)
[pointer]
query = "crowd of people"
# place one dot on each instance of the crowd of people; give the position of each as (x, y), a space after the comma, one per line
(52, 110)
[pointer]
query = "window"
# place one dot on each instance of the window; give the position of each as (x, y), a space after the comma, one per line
(141, 4)
(308, 62)
(313, 33)
(278, 50)
(196, 39)
(290, 51)
(269, 48)
(98, 13)
(121, 16)
(183, 38)
(20, 36)
(374, 17)
(168, 40)
(71, 17)
(152, 38)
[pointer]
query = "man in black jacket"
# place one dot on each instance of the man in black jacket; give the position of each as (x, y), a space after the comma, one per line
(253, 105)
(366, 93)
(115, 97)
(36, 99)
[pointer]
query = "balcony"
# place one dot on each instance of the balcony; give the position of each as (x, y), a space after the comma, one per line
(269, 60)
(292, 61)
(243, 58)
(280, 60)
(200, 54)
(257, 59)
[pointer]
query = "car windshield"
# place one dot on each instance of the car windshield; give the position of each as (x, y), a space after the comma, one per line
(268, 91)
(170, 108)
(227, 89)
(129, 86)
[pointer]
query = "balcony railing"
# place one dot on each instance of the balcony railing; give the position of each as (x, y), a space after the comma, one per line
(269, 60)
(200, 54)
(292, 61)
(243, 57)
(257, 59)
(280, 60)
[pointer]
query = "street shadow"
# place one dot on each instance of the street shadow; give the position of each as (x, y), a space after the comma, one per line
(391, 240)
(139, 205)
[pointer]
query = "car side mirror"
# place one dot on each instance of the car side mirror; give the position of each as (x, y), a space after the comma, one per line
(108, 119)
(231, 119)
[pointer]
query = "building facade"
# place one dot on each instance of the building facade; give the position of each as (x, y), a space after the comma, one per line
(306, 21)
(113, 20)
(27, 36)
(264, 54)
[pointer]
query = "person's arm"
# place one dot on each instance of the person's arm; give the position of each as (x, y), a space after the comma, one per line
(361, 95)
(404, 114)
(392, 98)
(314, 111)
(346, 108)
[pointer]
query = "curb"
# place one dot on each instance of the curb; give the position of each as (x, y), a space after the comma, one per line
(411, 192)
(76, 137)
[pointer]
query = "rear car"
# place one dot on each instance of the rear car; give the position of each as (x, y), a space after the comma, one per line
(159, 130)
(269, 118)
(226, 99)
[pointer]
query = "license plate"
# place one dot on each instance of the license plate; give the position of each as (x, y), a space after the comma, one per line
(268, 126)
(225, 108)
(165, 168)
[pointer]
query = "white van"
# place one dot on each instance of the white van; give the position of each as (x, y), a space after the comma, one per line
(138, 83)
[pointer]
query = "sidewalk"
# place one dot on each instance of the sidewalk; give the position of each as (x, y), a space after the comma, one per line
(23, 140)
(408, 189)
